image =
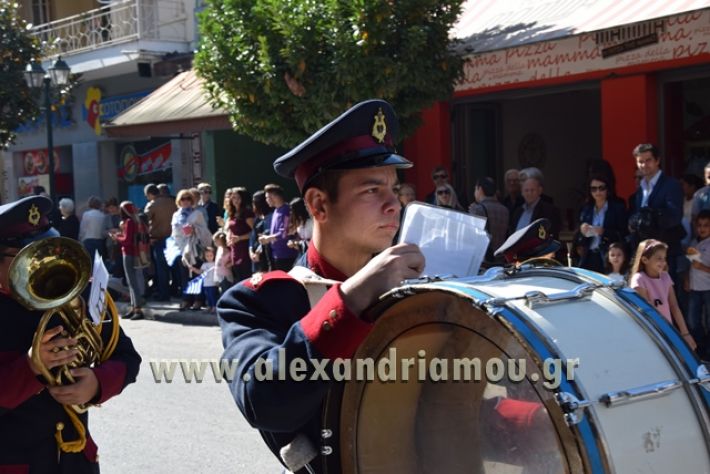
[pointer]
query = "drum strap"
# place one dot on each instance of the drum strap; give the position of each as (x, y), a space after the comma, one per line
(316, 286)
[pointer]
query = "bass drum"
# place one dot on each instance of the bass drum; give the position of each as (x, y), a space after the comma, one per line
(567, 373)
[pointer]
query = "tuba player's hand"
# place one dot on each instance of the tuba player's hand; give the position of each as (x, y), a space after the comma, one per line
(55, 351)
(83, 391)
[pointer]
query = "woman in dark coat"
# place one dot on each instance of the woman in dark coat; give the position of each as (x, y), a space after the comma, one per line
(68, 225)
(603, 220)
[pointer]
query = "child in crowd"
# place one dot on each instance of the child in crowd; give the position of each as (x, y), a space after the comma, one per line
(223, 262)
(209, 284)
(617, 262)
(699, 277)
(650, 279)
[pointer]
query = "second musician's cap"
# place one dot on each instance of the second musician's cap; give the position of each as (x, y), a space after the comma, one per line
(362, 137)
(531, 241)
(25, 220)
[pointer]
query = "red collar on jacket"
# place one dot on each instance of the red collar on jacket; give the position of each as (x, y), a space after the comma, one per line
(321, 266)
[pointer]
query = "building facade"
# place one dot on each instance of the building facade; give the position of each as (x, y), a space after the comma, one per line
(575, 82)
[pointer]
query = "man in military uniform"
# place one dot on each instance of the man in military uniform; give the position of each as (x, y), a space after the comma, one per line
(346, 173)
(31, 411)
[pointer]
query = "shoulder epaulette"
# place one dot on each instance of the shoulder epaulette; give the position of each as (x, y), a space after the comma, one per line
(259, 279)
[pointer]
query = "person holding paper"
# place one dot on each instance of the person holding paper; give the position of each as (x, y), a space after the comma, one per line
(346, 172)
(603, 221)
(30, 409)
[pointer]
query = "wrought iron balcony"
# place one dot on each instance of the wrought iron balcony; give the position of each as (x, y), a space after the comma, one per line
(118, 22)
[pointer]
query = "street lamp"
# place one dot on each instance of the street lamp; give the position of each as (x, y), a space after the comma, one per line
(36, 77)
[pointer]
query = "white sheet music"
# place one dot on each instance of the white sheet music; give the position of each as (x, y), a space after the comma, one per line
(453, 243)
(99, 284)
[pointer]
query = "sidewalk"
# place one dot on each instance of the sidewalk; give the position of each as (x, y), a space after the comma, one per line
(169, 312)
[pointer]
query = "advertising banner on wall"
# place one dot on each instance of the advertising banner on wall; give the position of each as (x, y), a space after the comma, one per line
(676, 37)
(25, 184)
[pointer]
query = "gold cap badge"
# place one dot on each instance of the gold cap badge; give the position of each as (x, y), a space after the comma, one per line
(541, 232)
(379, 129)
(33, 215)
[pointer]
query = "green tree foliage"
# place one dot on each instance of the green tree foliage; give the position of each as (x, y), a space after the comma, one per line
(17, 48)
(284, 68)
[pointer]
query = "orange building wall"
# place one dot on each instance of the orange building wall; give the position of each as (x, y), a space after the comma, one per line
(629, 111)
(428, 147)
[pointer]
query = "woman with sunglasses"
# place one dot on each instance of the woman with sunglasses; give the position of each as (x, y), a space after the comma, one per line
(189, 229)
(446, 197)
(603, 220)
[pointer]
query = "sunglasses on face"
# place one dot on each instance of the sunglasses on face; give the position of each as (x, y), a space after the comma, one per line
(597, 188)
(440, 176)
(443, 191)
(185, 198)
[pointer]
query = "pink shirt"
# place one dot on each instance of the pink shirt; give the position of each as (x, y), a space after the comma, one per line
(658, 290)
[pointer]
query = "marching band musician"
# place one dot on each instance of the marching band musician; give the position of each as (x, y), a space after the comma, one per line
(346, 172)
(31, 411)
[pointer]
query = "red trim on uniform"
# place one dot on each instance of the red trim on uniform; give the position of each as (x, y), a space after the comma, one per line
(15, 469)
(19, 383)
(517, 413)
(361, 142)
(111, 375)
(321, 266)
(22, 228)
(91, 451)
(332, 328)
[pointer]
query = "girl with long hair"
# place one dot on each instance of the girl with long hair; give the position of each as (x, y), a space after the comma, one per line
(650, 279)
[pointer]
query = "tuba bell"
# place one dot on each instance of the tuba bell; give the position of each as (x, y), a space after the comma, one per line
(49, 275)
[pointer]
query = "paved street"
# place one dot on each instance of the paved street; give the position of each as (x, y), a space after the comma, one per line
(178, 427)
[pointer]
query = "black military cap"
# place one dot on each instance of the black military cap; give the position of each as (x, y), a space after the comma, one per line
(362, 137)
(24, 221)
(529, 242)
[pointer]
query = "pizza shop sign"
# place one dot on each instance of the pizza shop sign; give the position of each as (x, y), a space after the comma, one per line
(132, 164)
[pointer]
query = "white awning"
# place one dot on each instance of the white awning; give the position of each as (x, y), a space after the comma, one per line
(488, 25)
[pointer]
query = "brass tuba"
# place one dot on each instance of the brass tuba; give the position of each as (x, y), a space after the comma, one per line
(49, 275)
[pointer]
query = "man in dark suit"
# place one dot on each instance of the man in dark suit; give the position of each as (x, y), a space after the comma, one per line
(662, 197)
(535, 208)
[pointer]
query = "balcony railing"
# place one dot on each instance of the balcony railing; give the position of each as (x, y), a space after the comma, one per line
(115, 23)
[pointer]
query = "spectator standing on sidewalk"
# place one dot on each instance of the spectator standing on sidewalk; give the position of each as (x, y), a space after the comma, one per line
(159, 210)
(68, 225)
(283, 256)
(239, 225)
(496, 214)
(93, 228)
(209, 205)
(259, 254)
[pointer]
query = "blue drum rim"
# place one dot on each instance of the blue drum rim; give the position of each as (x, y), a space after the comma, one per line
(587, 431)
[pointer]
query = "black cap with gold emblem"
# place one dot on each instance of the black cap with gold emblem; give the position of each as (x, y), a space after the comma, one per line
(24, 221)
(531, 241)
(362, 137)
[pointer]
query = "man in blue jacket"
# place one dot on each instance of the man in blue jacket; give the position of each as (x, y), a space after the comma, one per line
(346, 172)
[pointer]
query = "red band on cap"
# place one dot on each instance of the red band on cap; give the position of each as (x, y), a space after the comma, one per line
(511, 254)
(351, 145)
(21, 229)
